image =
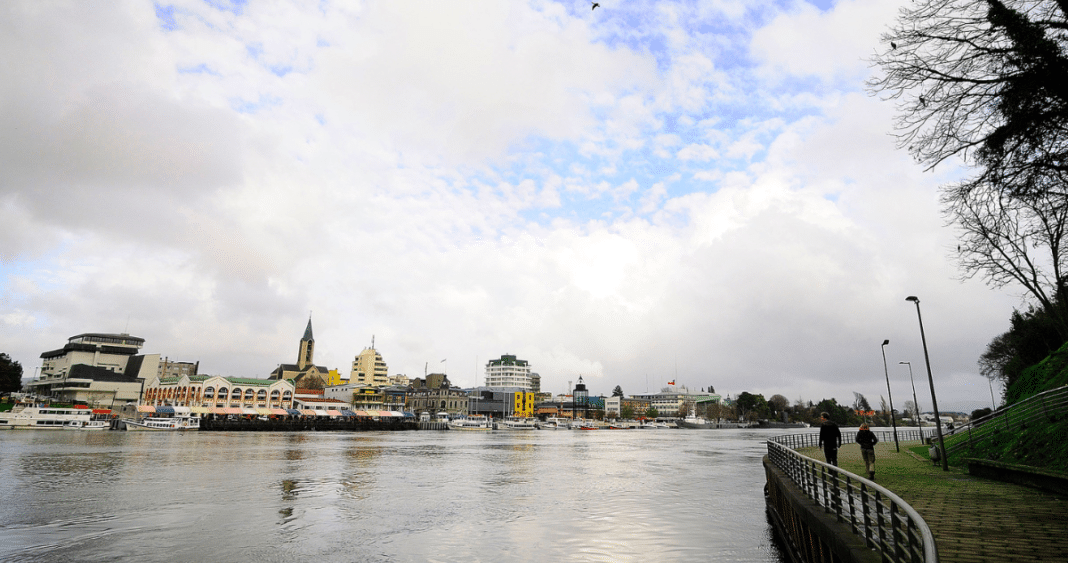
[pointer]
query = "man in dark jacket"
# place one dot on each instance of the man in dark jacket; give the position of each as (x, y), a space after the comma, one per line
(830, 438)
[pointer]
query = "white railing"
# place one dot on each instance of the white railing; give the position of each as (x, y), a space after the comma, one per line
(886, 523)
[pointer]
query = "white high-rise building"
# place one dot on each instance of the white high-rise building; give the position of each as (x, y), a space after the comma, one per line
(508, 372)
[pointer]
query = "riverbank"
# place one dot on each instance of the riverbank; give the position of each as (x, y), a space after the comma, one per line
(972, 519)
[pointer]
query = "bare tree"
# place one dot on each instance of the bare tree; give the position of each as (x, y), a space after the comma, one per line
(984, 81)
(1014, 240)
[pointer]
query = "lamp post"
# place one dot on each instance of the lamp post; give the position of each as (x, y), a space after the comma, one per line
(930, 379)
(915, 402)
(893, 421)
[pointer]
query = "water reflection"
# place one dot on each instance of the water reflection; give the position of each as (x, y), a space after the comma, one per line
(405, 496)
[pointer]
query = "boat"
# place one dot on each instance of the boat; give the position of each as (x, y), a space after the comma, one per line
(91, 424)
(554, 423)
(42, 417)
(517, 423)
(473, 422)
(694, 421)
(162, 423)
(583, 424)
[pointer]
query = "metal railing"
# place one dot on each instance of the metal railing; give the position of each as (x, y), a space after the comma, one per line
(1043, 408)
(886, 523)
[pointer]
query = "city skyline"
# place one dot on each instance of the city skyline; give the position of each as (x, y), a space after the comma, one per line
(650, 191)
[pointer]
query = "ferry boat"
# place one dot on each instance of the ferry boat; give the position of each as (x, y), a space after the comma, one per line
(160, 423)
(94, 423)
(517, 423)
(555, 423)
(473, 422)
(40, 417)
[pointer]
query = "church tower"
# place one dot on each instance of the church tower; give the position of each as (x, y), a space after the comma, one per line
(307, 349)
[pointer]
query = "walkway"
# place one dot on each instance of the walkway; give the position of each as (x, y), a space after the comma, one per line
(973, 519)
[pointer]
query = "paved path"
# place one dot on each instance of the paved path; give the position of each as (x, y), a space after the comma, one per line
(973, 519)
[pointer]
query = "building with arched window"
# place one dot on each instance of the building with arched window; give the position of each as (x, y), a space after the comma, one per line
(215, 394)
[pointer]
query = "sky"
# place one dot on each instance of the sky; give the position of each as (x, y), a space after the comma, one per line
(650, 191)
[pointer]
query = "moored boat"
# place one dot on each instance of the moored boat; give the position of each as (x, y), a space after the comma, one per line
(694, 421)
(517, 423)
(556, 423)
(41, 417)
(473, 422)
(92, 424)
(161, 423)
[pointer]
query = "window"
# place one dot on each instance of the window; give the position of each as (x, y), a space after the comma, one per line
(249, 394)
(236, 394)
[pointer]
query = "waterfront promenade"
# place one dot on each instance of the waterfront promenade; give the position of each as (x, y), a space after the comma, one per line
(972, 519)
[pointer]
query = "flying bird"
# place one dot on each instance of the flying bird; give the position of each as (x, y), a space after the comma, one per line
(595, 4)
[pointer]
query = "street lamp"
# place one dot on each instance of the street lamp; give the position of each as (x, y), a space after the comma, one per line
(893, 421)
(930, 379)
(915, 402)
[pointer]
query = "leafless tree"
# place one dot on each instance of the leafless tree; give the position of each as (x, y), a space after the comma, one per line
(1014, 240)
(984, 81)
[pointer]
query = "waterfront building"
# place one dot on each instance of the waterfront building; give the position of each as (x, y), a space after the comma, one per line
(535, 383)
(216, 394)
(304, 373)
(399, 380)
(370, 369)
(435, 395)
(305, 399)
(508, 372)
(675, 400)
(95, 369)
(613, 406)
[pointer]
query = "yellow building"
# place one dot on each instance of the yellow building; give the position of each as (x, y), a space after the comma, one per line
(334, 378)
(523, 403)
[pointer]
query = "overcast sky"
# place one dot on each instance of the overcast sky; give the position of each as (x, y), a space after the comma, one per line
(645, 192)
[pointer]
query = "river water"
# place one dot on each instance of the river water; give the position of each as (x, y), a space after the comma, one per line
(634, 495)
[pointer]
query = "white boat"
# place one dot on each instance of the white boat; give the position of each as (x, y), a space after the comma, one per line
(555, 423)
(92, 424)
(39, 417)
(160, 423)
(517, 423)
(473, 422)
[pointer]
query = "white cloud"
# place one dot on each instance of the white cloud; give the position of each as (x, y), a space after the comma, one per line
(602, 198)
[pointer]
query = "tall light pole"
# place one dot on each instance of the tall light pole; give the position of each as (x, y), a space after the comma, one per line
(893, 421)
(915, 402)
(930, 379)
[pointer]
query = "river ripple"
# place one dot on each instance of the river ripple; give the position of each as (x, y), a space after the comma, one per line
(637, 495)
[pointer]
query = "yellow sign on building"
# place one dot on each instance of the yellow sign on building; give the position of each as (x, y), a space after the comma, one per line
(523, 403)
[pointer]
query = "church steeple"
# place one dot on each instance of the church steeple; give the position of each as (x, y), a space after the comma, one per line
(307, 349)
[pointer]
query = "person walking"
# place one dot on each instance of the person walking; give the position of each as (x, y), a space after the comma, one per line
(830, 438)
(867, 440)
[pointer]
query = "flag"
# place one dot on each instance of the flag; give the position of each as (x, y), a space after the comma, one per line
(672, 382)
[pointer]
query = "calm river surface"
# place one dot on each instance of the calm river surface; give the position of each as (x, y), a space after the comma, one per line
(634, 495)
